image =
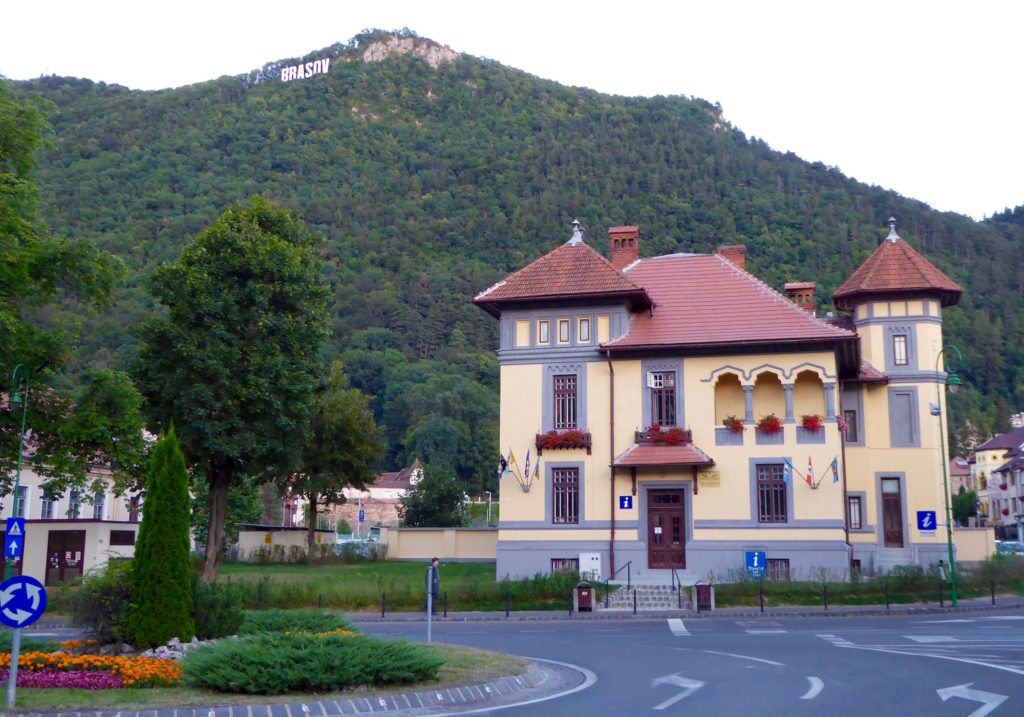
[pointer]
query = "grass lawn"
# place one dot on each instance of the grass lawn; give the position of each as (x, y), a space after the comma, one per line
(463, 666)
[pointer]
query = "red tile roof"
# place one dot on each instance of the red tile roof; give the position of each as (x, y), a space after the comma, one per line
(870, 374)
(895, 268)
(705, 300)
(651, 456)
(572, 271)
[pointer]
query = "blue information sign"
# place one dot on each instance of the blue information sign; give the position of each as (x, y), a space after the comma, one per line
(625, 502)
(755, 563)
(926, 520)
(22, 601)
(14, 541)
(362, 515)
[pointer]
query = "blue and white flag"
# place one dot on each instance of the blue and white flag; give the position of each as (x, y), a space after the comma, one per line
(835, 470)
(787, 470)
(526, 471)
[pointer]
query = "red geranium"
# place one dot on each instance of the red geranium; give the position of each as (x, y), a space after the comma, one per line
(769, 424)
(812, 421)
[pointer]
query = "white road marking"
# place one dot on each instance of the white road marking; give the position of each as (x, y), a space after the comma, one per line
(746, 657)
(770, 631)
(931, 638)
(816, 686)
(677, 627)
(689, 687)
(837, 641)
(991, 700)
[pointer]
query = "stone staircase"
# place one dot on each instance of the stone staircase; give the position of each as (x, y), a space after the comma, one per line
(649, 596)
(887, 559)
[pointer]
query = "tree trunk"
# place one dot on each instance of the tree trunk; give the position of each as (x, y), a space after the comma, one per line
(220, 482)
(311, 529)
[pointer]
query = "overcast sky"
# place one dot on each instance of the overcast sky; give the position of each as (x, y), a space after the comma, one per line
(924, 98)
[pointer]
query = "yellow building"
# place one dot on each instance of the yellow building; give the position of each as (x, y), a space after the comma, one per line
(676, 413)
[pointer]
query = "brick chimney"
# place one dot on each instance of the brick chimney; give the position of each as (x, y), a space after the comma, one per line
(801, 293)
(736, 254)
(625, 246)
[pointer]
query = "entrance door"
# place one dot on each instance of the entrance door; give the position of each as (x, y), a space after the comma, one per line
(892, 513)
(65, 553)
(666, 529)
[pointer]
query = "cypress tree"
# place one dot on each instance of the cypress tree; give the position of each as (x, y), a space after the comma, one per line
(162, 567)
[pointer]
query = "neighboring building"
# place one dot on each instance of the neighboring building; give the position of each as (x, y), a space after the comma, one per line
(622, 378)
(69, 534)
(960, 475)
(996, 467)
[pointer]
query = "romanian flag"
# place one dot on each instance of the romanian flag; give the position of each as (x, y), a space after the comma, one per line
(810, 473)
(835, 470)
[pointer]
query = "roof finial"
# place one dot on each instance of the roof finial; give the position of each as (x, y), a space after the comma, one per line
(893, 236)
(577, 233)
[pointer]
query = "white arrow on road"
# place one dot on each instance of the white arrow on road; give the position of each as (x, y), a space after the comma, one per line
(817, 685)
(990, 699)
(689, 687)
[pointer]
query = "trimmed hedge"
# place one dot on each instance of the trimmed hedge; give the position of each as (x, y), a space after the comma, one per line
(275, 663)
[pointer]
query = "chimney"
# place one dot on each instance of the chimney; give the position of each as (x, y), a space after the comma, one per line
(625, 246)
(801, 293)
(736, 255)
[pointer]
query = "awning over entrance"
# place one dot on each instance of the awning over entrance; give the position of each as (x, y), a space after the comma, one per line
(645, 453)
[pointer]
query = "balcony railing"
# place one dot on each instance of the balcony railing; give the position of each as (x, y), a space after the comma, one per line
(664, 436)
(568, 439)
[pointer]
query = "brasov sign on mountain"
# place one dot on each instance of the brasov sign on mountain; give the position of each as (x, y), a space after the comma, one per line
(297, 72)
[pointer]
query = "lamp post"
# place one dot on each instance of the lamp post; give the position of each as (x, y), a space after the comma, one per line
(18, 396)
(953, 381)
(488, 508)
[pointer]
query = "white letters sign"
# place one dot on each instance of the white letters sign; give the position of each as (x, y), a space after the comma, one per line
(297, 72)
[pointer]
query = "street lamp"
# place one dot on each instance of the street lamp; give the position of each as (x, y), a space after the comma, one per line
(953, 382)
(18, 396)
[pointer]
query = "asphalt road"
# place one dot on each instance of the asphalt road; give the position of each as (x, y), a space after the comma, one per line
(933, 665)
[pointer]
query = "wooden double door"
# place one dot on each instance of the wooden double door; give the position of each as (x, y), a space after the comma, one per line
(666, 529)
(65, 555)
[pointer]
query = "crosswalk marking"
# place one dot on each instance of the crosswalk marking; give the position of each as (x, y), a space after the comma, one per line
(931, 638)
(768, 631)
(677, 627)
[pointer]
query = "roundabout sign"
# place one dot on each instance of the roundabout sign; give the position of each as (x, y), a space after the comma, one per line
(22, 601)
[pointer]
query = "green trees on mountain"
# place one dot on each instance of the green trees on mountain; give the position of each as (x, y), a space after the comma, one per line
(430, 184)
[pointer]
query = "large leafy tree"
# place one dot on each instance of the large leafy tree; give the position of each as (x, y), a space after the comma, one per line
(343, 445)
(234, 361)
(434, 502)
(37, 270)
(162, 566)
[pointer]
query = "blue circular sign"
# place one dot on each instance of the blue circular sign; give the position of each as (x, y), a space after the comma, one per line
(22, 601)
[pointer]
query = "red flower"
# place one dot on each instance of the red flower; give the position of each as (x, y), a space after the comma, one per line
(733, 423)
(812, 421)
(769, 424)
(1006, 511)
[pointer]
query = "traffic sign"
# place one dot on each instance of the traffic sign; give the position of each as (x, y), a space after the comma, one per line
(14, 542)
(625, 502)
(22, 601)
(926, 521)
(755, 563)
(362, 515)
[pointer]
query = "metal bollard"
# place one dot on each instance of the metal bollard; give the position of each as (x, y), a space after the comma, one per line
(320, 600)
(886, 594)
(941, 603)
(445, 604)
(993, 592)
(507, 599)
(634, 601)
(383, 602)
(760, 594)
(570, 603)
(826, 596)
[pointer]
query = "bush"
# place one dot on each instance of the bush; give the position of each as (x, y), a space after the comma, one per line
(27, 645)
(311, 621)
(218, 609)
(103, 603)
(274, 663)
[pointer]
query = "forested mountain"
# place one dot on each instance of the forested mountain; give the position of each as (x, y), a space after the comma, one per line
(432, 175)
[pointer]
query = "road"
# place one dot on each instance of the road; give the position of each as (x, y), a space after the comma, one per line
(934, 665)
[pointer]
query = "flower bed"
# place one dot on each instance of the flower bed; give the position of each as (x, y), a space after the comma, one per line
(569, 438)
(132, 671)
(52, 678)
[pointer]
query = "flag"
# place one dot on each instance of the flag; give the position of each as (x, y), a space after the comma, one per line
(835, 470)
(810, 473)
(526, 471)
(502, 465)
(787, 470)
(536, 469)
(511, 458)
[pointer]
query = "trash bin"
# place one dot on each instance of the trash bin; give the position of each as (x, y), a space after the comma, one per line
(704, 597)
(583, 597)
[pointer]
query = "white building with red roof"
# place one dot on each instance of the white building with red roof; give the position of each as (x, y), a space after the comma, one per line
(682, 414)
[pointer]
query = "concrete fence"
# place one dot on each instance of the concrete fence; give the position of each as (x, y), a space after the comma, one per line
(444, 543)
(974, 544)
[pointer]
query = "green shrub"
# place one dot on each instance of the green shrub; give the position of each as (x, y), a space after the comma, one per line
(274, 663)
(218, 609)
(27, 644)
(310, 621)
(102, 603)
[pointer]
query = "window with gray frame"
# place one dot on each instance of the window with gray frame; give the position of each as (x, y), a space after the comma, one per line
(663, 398)
(565, 401)
(850, 416)
(98, 504)
(899, 349)
(74, 503)
(771, 494)
(49, 499)
(854, 512)
(22, 495)
(565, 495)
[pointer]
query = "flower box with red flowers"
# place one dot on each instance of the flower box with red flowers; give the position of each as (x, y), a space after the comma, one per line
(733, 423)
(664, 436)
(769, 424)
(1006, 511)
(566, 439)
(812, 421)
(1002, 486)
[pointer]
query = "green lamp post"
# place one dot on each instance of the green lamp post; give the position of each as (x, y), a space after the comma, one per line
(953, 383)
(18, 397)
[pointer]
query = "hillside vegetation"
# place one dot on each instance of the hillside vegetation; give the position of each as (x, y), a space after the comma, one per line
(432, 175)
